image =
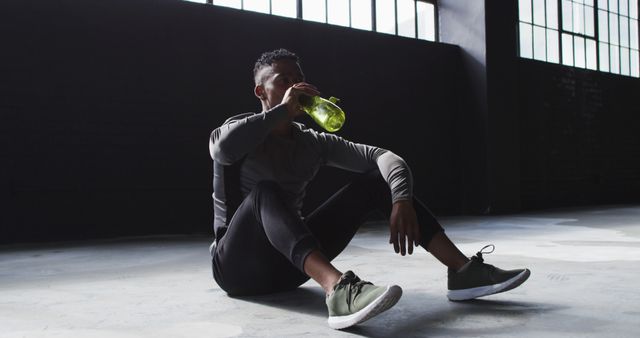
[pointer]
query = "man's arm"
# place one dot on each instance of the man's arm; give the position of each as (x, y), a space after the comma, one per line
(397, 174)
(235, 138)
(403, 224)
(341, 153)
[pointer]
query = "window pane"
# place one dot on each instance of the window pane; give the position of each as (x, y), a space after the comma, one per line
(567, 15)
(552, 14)
(633, 9)
(624, 7)
(338, 12)
(406, 18)
(613, 6)
(591, 54)
(602, 4)
(614, 55)
(539, 43)
(567, 50)
(588, 21)
(613, 29)
(261, 6)
(624, 32)
(538, 12)
(385, 16)
(198, 1)
(284, 8)
(524, 6)
(579, 52)
(314, 10)
(588, 2)
(633, 42)
(624, 61)
(635, 63)
(360, 14)
(426, 21)
(228, 3)
(553, 51)
(578, 18)
(603, 26)
(604, 57)
(526, 41)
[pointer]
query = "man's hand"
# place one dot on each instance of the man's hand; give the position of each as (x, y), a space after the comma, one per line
(291, 97)
(404, 227)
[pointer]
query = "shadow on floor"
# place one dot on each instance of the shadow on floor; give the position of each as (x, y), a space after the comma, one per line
(303, 300)
(411, 318)
(459, 319)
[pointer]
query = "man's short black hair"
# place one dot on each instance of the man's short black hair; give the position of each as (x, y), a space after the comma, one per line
(268, 58)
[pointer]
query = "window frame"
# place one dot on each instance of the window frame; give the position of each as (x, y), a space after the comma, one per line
(584, 35)
(436, 22)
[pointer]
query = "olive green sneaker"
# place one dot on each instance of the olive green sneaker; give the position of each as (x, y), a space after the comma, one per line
(353, 300)
(477, 279)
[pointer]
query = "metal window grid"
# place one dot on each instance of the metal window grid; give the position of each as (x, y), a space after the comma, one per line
(373, 14)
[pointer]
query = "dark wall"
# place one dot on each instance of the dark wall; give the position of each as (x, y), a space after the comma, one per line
(503, 135)
(580, 136)
(106, 109)
(562, 136)
(463, 23)
(547, 135)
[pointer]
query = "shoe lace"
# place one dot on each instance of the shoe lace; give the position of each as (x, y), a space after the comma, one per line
(478, 255)
(354, 288)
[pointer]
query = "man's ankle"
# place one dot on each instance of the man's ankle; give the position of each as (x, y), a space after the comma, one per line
(329, 286)
(459, 264)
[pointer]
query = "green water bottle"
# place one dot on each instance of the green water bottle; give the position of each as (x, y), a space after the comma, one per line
(325, 112)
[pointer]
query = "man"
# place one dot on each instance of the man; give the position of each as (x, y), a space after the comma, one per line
(262, 165)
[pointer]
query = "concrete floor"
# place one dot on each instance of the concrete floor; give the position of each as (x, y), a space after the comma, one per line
(584, 283)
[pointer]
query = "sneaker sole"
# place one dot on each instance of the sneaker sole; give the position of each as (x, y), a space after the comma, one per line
(466, 294)
(384, 302)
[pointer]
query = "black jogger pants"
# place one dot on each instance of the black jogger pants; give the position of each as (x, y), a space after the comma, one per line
(266, 243)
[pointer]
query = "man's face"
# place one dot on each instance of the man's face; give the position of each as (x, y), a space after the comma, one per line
(275, 80)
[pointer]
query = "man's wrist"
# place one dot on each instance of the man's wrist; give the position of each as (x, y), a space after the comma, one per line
(402, 202)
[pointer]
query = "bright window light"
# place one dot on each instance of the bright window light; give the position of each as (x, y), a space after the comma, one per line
(286, 8)
(595, 34)
(361, 14)
(314, 10)
(426, 21)
(228, 3)
(338, 12)
(260, 6)
(386, 16)
(406, 18)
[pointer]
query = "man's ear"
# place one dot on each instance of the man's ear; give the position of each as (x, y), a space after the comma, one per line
(259, 92)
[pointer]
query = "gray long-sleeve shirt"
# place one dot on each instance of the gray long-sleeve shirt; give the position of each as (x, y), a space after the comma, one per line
(293, 163)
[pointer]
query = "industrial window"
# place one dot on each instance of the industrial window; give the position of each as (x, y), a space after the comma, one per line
(408, 18)
(592, 34)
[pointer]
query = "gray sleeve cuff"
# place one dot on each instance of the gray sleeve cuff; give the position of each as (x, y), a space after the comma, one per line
(398, 175)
